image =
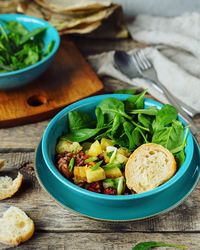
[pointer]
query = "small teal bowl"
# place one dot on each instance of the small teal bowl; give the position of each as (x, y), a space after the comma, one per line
(17, 78)
(58, 127)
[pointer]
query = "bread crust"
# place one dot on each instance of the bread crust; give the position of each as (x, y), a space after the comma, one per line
(10, 191)
(152, 171)
(1, 163)
(12, 217)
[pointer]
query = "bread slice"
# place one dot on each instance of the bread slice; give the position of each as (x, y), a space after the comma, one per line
(9, 187)
(149, 166)
(1, 163)
(15, 227)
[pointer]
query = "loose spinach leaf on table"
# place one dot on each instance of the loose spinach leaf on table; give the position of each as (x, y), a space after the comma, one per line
(152, 244)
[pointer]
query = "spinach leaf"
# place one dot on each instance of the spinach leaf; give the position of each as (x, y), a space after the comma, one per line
(118, 120)
(180, 157)
(81, 135)
(128, 128)
(78, 120)
(147, 111)
(165, 116)
(100, 117)
(110, 107)
(145, 120)
(135, 102)
(170, 137)
(152, 244)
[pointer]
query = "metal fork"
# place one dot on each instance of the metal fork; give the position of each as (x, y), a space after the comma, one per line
(146, 70)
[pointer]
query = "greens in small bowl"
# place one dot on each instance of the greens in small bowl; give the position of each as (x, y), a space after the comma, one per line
(27, 45)
(86, 146)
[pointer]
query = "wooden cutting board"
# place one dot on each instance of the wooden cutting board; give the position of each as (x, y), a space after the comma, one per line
(68, 79)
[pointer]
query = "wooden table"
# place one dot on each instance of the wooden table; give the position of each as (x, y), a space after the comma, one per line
(57, 228)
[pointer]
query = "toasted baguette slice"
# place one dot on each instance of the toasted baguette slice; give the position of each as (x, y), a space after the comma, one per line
(1, 163)
(149, 166)
(9, 187)
(15, 227)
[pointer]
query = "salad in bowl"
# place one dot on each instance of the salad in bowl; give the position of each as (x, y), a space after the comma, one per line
(123, 147)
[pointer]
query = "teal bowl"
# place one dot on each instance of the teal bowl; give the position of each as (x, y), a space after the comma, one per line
(58, 127)
(18, 78)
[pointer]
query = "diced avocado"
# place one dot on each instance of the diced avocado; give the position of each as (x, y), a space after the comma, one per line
(95, 149)
(67, 146)
(95, 175)
(124, 151)
(79, 174)
(105, 143)
(113, 172)
(119, 158)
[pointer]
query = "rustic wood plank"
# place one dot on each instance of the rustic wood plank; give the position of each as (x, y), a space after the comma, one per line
(104, 241)
(48, 215)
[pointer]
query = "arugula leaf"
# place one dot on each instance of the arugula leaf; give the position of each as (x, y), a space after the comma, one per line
(165, 116)
(32, 35)
(49, 48)
(78, 120)
(170, 137)
(20, 47)
(152, 244)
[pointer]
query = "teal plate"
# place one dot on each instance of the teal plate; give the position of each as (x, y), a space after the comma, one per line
(139, 209)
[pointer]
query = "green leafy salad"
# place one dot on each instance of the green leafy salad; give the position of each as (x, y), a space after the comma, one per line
(94, 152)
(19, 47)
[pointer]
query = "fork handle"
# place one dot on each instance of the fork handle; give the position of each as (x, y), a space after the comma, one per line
(194, 129)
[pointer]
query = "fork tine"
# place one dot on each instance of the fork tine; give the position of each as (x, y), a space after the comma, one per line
(138, 60)
(142, 61)
(148, 63)
(137, 65)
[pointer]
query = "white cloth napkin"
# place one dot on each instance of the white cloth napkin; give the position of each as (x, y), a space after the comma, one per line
(174, 50)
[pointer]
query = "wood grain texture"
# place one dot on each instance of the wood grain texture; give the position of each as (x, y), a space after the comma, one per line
(103, 241)
(49, 216)
(68, 79)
